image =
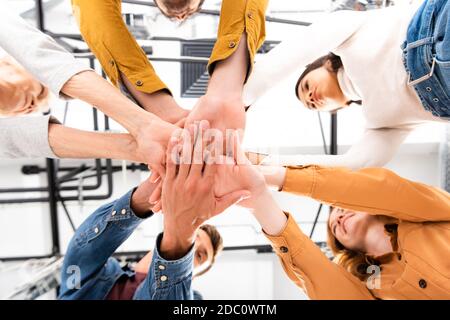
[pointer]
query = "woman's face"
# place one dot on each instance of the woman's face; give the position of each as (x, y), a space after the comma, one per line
(21, 93)
(319, 90)
(350, 227)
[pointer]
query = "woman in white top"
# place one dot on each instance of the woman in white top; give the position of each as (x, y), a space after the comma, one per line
(393, 60)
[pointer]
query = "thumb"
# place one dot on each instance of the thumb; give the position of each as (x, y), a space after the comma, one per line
(231, 198)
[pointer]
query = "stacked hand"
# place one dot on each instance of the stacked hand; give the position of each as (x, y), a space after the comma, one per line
(188, 195)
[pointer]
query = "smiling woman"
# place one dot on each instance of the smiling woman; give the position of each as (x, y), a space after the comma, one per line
(357, 238)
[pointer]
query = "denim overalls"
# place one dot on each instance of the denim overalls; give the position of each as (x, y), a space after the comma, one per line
(426, 55)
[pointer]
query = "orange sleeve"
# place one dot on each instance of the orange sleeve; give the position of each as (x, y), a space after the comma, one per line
(237, 17)
(308, 267)
(372, 190)
(105, 32)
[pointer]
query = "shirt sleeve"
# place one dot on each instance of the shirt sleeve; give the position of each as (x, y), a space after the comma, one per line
(306, 265)
(108, 37)
(375, 148)
(37, 53)
(376, 191)
(25, 137)
(168, 279)
(298, 50)
(237, 17)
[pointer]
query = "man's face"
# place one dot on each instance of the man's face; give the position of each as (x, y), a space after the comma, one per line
(178, 9)
(203, 251)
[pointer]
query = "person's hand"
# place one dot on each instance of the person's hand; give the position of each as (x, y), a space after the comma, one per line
(237, 172)
(221, 113)
(151, 144)
(188, 197)
(139, 199)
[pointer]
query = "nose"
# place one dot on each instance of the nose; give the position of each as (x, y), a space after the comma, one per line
(181, 16)
(340, 217)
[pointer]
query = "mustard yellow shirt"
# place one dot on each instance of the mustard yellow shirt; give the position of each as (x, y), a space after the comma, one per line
(106, 34)
(420, 267)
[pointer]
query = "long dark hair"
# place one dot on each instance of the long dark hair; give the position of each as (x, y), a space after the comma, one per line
(336, 64)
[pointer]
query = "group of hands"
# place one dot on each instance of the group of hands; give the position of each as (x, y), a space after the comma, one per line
(192, 178)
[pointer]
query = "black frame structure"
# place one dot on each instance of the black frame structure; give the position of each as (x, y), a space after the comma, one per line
(52, 168)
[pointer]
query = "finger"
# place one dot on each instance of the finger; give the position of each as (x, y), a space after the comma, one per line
(159, 170)
(231, 198)
(157, 207)
(239, 154)
(199, 149)
(154, 177)
(172, 158)
(211, 162)
(156, 194)
(187, 150)
(181, 123)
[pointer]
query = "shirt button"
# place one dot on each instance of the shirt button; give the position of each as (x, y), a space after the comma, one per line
(112, 63)
(163, 278)
(422, 283)
(232, 44)
(428, 89)
(250, 15)
(96, 230)
(123, 211)
(161, 267)
(114, 213)
(284, 249)
(436, 100)
(399, 256)
(139, 83)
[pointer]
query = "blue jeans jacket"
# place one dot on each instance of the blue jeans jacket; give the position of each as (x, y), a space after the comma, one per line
(89, 272)
(426, 54)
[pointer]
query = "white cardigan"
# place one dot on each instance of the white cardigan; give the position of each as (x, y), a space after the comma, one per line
(369, 46)
(49, 63)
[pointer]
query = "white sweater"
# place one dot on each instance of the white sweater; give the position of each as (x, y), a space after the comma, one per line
(27, 137)
(369, 46)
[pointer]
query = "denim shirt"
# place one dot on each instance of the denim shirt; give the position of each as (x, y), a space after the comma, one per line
(89, 272)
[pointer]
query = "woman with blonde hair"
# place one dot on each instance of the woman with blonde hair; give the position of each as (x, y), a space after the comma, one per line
(391, 236)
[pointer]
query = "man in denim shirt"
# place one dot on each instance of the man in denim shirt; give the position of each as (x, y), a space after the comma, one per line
(187, 200)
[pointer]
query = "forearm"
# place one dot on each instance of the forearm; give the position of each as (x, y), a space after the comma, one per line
(93, 89)
(159, 103)
(232, 72)
(376, 191)
(73, 143)
(274, 175)
(268, 213)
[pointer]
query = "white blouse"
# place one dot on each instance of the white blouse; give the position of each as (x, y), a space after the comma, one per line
(369, 45)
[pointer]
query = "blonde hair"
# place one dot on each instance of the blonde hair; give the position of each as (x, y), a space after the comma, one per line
(355, 262)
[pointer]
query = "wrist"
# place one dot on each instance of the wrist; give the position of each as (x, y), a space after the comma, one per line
(175, 245)
(163, 105)
(139, 203)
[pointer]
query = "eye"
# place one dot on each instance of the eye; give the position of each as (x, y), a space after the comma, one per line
(306, 85)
